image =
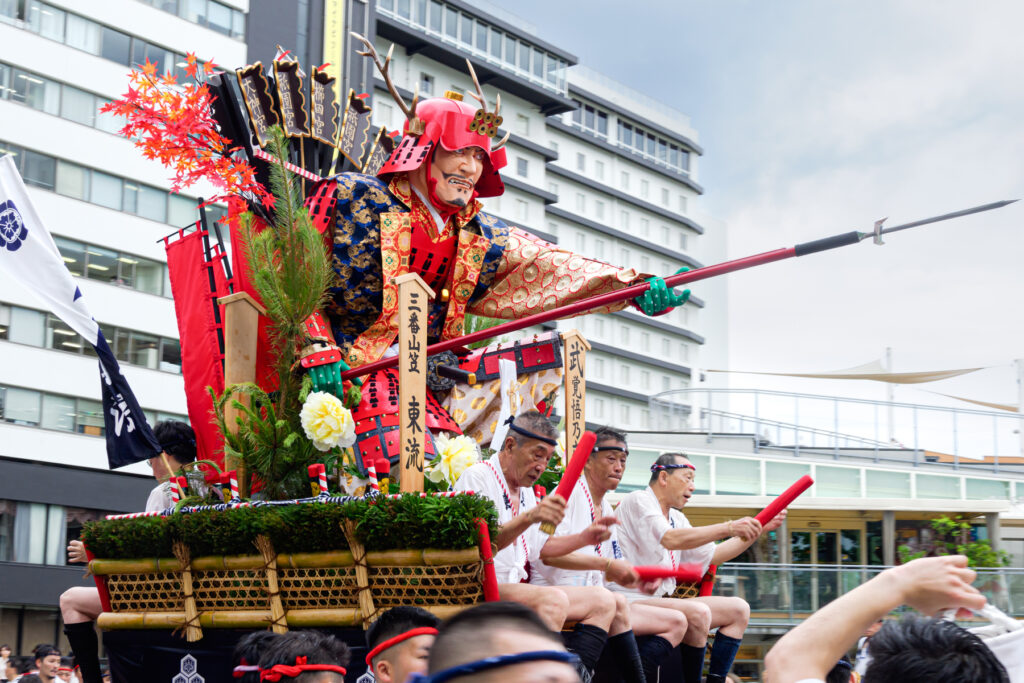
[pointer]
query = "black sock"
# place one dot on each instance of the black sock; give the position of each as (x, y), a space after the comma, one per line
(693, 662)
(587, 642)
(653, 651)
(86, 647)
(722, 653)
(622, 651)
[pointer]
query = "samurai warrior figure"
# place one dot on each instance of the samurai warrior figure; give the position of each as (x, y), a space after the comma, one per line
(421, 214)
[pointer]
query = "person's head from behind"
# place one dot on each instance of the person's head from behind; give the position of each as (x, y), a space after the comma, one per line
(399, 643)
(178, 442)
(246, 656)
(928, 650)
(47, 660)
(842, 672)
(304, 657)
(522, 648)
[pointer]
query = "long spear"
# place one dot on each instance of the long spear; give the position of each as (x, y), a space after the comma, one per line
(633, 291)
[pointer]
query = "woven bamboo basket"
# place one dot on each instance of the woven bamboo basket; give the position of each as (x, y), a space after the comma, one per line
(329, 589)
(686, 590)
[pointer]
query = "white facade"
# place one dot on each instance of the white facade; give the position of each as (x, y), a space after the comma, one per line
(102, 202)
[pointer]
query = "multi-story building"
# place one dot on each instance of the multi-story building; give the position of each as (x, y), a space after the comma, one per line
(107, 208)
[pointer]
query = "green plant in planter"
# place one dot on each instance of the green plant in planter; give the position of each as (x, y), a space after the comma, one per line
(953, 537)
(406, 522)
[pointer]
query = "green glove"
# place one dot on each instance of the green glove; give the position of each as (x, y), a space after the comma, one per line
(328, 378)
(659, 298)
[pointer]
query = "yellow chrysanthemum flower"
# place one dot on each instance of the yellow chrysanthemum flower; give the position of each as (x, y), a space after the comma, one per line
(327, 422)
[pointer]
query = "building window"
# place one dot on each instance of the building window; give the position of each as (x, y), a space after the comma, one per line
(599, 209)
(581, 203)
(664, 235)
(624, 375)
(624, 181)
(522, 210)
(666, 347)
(599, 248)
(682, 241)
(684, 351)
(553, 187)
(523, 124)
(581, 161)
(625, 256)
(645, 380)
(666, 383)
(682, 204)
(581, 242)
(426, 84)
(522, 167)
(624, 220)
(623, 335)
(599, 368)
(645, 264)
(599, 326)
(664, 197)
(645, 227)
(645, 341)
(599, 408)
(599, 170)
(645, 189)
(624, 414)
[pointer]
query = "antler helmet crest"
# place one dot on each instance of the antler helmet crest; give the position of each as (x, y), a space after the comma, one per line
(447, 121)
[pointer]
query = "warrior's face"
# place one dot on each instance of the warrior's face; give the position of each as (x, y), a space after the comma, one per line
(455, 174)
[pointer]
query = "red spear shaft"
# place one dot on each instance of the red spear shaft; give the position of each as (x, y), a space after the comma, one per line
(633, 291)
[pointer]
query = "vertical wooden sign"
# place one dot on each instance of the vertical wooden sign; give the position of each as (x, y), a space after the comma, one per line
(241, 323)
(413, 310)
(575, 363)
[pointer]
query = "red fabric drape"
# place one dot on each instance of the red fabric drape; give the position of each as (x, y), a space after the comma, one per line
(202, 362)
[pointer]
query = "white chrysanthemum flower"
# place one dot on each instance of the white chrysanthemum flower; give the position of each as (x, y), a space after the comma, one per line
(327, 422)
(455, 454)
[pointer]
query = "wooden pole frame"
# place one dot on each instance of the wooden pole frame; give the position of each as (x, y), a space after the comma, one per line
(241, 324)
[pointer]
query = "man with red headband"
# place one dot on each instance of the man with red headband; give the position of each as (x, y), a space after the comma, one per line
(305, 657)
(399, 643)
(653, 531)
(421, 215)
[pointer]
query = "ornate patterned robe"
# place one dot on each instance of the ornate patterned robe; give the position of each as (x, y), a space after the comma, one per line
(498, 270)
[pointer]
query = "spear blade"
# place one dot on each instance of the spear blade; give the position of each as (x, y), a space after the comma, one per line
(948, 216)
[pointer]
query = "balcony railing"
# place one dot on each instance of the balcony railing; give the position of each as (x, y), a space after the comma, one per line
(845, 428)
(789, 593)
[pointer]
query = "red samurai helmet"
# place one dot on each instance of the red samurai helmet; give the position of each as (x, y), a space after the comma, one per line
(447, 121)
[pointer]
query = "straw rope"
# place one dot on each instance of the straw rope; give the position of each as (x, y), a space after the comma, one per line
(278, 623)
(369, 612)
(193, 631)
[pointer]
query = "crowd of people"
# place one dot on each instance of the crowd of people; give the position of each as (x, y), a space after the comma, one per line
(573, 607)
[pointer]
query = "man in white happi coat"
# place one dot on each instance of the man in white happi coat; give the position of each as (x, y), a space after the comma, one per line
(507, 478)
(641, 635)
(653, 531)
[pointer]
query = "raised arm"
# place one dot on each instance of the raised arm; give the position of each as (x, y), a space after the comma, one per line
(929, 585)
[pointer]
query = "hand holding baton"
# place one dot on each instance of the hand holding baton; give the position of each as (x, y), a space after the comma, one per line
(783, 501)
(572, 473)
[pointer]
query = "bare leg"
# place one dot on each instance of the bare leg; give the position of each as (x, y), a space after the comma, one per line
(594, 605)
(665, 623)
(698, 616)
(80, 604)
(551, 604)
(729, 615)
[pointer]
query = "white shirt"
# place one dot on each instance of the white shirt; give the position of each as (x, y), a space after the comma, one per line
(487, 479)
(642, 525)
(159, 498)
(580, 513)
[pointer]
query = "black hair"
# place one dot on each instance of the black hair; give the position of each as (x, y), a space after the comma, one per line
(44, 650)
(177, 440)
(840, 673)
(920, 649)
(467, 636)
(609, 434)
(67, 662)
(665, 459)
(396, 621)
(533, 421)
(30, 678)
(315, 646)
(248, 650)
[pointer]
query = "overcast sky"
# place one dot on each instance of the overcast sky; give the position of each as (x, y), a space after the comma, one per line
(821, 117)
